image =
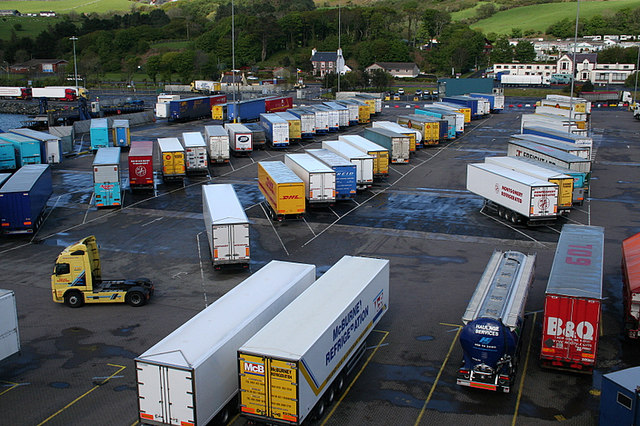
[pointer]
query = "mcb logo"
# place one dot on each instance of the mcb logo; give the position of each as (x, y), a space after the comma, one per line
(485, 340)
(253, 368)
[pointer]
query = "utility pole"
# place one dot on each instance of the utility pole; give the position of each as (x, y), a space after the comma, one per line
(575, 67)
(338, 68)
(75, 62)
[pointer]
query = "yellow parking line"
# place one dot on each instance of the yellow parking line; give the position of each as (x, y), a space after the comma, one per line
(451, 325)
(433, 387)
(7, 390)
(120, 368)
(524, 371)
(355, 379)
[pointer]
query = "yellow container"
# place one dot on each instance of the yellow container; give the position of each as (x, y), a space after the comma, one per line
(217, 112)
(565, 191)
(467, 114)
(173, 159)
(364, 113)
(283, 189)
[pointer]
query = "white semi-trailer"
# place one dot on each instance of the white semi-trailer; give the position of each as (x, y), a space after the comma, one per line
(190, 376)
(301, 359)
(515, 196)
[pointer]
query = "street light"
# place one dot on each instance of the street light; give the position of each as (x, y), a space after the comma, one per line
(75, 62)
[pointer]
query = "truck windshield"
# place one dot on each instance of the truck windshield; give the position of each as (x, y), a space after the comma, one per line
(62, 269)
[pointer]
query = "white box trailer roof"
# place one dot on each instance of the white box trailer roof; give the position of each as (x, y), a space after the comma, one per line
(319, 179)
(9, 334)
(362, 160)
(318, 333)
(362, 143)
(397, 128)
(191, 374)
(552, 122)
(193, 140)
(547, 154)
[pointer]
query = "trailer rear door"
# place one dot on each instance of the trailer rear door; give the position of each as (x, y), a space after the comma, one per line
(231, 242)
(157, 403)
(269, 388)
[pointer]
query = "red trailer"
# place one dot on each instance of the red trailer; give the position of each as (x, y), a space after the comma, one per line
(571, 323)
(631, 281)
(141, 165)
(217, 99)
(278, 103)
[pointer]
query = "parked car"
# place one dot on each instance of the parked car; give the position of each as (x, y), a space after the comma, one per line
(418, 92)
(401, 91)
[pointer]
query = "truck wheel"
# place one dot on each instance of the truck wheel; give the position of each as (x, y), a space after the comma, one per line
(514, 217)
(135, 299)
(73, 299)
(319, 410)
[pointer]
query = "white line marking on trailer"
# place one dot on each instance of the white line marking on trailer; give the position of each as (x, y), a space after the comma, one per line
(274, 229)
(204, 290)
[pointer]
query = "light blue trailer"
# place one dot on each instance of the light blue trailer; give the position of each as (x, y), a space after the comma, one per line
(99, 133)
(106, 177)
(27, 150)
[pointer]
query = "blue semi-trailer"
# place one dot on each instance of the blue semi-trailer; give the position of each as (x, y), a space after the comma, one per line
(346, 185)
(23, 199)
(494, 319)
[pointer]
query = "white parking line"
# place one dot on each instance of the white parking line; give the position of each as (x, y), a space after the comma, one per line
(204, 290)
(274, 229)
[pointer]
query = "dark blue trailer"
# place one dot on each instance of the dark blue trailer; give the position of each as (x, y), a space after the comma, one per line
(467, 102)
(23, 198)
(248, 110)
(346, 184)
(619, 398)
(190, 109)
(7, 156)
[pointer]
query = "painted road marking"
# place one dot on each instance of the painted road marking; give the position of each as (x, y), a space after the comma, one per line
(524, 370)
(435, 383)
(120, 368)
(355, 379)
(11, 385)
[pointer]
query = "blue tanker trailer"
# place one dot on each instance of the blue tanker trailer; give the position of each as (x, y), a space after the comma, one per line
(494, 318)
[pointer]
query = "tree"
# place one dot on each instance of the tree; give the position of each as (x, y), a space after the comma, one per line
(524, 52)
(502, 51)
(153, 66)
(433, 22)
(380, 79)
(485, 10)
(516, 32)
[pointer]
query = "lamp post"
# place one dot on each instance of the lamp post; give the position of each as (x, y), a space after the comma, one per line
(575, 66)
(75, 62)
(635, 87)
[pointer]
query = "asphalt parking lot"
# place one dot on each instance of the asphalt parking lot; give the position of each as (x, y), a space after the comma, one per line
(76, 365)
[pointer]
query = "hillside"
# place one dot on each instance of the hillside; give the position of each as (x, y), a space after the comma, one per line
(68, 6)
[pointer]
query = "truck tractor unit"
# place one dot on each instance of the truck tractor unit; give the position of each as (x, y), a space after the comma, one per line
(494, 319)
(77, 279)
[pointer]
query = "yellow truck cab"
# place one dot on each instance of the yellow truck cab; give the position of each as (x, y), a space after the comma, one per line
(77, 279)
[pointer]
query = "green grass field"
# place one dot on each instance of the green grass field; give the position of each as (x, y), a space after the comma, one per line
(67, 6)
(541, 16)
(30, 27)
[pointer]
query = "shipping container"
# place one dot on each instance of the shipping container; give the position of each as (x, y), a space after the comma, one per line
(343, 113)
(227, 226)
(172, 159)
(276, 129)
(7, 156)
(553, 122)
(23, 199)
(295, 129)
(321, 117)
(278, 103)
(496, 101)
(546, 154)
(440, 114)
(493, 322)
(379, 153)
(414, 135)
(26, 150)
(573, 298)
(578, 151)
(586, 105)
(578, 109)
(15, 92)
(51, 146)
(354, 111)
(446, 113)
(99, 133)
(141, 165)
(473, 103)
(217, 139)
(631, 285)
(619, 397)
(240, 138)
(363, 162)
(433, 130)
(580, 179)
(283, 190)
(346, 184)
(190, 109)
(466, 112)
(333, 116)
(371, 100)
(364, 111)
(162, 105)
(248, 110)
(61, 93)
(195, 149)
(397, 143)
(564, 182)
(9, 333)
(307, 121)
(258, 136)
(319, 179)
(563, 136)
(580, 118)
(190, 377)
(302, 357)
(121, 133)
(514, 196)
(206, 86)
(107, 188)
